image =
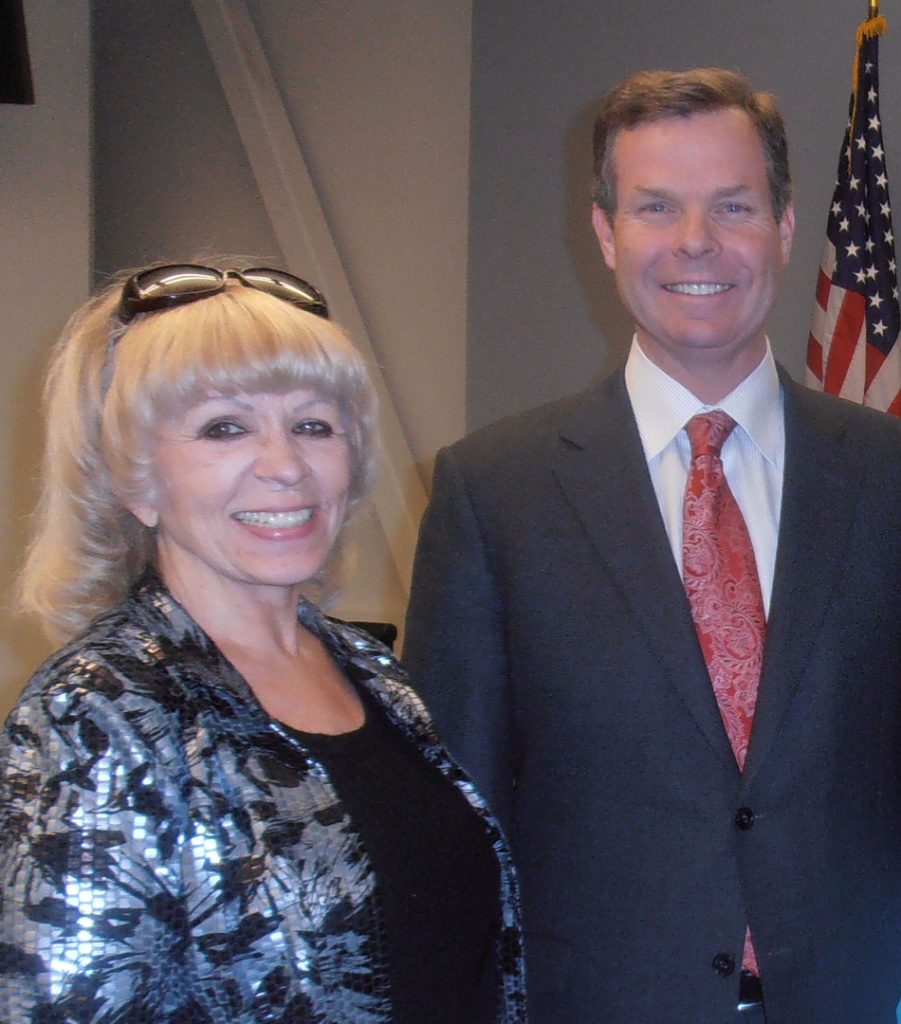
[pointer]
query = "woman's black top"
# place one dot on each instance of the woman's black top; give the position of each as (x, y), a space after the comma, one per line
(436, 872)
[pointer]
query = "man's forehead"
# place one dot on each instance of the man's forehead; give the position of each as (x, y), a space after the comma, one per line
(722, 134)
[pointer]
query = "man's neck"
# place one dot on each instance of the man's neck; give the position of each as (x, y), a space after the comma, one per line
(708, 374)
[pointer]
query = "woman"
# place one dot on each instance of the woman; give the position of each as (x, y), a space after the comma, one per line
(218, 804)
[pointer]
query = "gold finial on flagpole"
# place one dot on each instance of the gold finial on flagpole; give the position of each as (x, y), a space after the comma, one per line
(874, 26)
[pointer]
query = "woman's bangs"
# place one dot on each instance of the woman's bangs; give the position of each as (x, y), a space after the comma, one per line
(227, 344)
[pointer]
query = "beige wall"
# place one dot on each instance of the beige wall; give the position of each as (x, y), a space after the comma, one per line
(45, 227)
(378, 96)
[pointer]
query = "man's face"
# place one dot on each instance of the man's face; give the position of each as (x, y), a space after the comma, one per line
(695, 248)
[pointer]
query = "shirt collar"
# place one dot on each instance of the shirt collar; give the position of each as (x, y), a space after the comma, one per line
(662, 406)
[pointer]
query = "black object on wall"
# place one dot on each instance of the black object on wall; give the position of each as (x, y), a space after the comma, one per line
(16, 85)
(384, 632)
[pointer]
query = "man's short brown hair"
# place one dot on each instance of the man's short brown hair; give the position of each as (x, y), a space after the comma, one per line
(654, 95)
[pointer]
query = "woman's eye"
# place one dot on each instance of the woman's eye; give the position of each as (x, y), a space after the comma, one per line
(314, 428)
(219, 429)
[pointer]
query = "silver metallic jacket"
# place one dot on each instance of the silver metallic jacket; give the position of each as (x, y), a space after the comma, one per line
(168, 853)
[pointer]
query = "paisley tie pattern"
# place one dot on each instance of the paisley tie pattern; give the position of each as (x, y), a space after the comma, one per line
(720, 575)
(721, 581)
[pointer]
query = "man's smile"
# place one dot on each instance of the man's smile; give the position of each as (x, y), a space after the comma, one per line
(697, 288)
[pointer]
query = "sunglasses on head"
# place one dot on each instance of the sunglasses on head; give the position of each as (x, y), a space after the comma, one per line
(180, 283)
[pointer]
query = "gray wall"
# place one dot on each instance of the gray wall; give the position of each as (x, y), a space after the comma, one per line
(379, 98)
(171, 179)
(543, 314)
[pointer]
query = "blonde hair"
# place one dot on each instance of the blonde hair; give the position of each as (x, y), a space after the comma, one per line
(107, 388)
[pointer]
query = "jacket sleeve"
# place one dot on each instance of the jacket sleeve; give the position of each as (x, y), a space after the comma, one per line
(92, 927)
(454, 645)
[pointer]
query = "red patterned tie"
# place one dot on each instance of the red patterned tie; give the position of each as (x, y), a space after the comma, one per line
(720, 575)
(723, 588)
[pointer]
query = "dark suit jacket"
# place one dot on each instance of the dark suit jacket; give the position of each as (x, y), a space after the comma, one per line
(550, 635)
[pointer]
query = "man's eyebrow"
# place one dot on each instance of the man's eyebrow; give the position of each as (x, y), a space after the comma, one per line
(645, 191)
(642, 193)
(732, 190)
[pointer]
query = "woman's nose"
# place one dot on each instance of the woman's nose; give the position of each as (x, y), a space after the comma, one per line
(281, 459)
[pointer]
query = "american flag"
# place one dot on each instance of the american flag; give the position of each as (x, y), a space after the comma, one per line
(854, 350)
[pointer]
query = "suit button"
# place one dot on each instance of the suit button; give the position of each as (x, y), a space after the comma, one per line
(744, 818)
(723, 964)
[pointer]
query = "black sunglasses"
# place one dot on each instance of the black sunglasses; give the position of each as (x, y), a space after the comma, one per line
(179, 283)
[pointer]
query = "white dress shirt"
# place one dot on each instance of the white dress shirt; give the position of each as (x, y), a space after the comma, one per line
(753, 455)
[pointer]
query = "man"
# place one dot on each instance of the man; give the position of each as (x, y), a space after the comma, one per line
(673, 663)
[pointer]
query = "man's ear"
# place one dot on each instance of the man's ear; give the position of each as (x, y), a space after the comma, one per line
(787, 231)
(603, 228)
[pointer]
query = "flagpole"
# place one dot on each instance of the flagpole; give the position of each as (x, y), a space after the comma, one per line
(875, 25)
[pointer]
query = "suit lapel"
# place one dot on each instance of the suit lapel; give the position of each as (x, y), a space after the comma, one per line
(819, 495)
(603, 473)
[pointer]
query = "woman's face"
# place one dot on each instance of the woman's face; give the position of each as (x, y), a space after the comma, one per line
(250, 491)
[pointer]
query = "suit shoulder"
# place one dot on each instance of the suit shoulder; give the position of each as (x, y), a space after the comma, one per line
(523, 435)
(831, 414)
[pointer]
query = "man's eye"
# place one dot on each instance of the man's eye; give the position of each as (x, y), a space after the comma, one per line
(736, 208)
(221, 429)
(655, 207)
(314, 428)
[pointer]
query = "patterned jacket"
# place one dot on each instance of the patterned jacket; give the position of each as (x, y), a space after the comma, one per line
(169, 853)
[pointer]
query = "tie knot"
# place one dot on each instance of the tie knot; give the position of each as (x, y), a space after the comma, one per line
(708, 432)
